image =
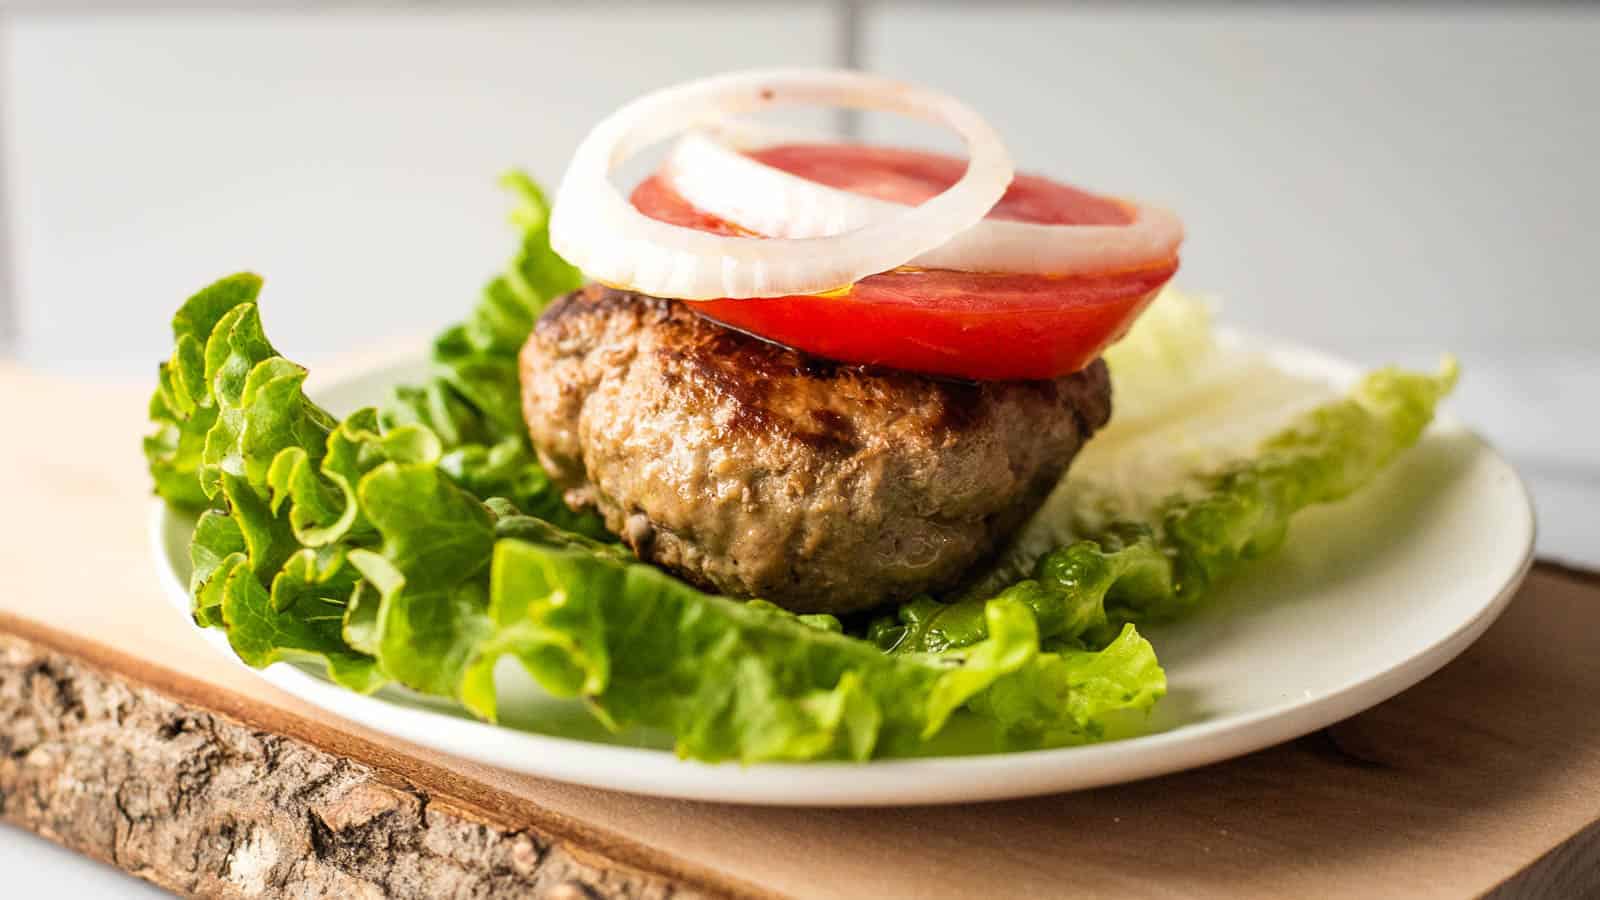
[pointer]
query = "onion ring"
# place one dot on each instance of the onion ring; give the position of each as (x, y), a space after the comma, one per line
(717, 179)
(596, 229)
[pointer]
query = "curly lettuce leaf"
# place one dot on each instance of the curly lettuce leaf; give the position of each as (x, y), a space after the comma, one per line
(281, 478)
(1097, 557)
(430, 574)
(264, 627)
(742, 681)
(182, 407)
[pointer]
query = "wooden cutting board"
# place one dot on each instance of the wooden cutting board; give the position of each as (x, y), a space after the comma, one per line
(124, 737)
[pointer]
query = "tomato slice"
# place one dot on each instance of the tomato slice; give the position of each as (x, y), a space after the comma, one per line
(976, 325)
(911, 177)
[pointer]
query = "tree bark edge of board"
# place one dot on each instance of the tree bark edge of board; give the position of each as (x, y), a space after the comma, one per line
(204, 805)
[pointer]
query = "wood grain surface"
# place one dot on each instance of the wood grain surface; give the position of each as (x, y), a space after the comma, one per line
(1485, 777)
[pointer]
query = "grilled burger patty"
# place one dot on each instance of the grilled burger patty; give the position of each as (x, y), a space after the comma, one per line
(760, 471)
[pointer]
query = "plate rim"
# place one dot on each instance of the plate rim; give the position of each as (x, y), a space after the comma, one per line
(893, 782)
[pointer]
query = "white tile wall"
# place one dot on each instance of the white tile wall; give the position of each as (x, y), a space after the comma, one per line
(1349, 176)
(349, 156)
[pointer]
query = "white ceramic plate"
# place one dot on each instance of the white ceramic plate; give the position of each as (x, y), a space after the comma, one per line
(1367, 598)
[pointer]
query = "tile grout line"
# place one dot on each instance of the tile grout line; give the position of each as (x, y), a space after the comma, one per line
(10, 318)
(847, 28)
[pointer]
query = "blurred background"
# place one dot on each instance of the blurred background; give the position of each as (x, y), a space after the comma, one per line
(1383, 182)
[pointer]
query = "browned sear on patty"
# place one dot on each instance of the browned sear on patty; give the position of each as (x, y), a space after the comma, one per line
(760, 471)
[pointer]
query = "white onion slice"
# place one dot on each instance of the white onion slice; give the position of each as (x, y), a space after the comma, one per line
(597, 230)
(715, 178)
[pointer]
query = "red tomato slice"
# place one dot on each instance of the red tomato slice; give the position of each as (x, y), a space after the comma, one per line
(985, 326)
(911, 177)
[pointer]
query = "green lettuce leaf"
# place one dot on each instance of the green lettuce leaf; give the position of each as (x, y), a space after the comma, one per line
(1097, 558)
(430, 574)
(308, 628)
(742, 681)
(182, 407)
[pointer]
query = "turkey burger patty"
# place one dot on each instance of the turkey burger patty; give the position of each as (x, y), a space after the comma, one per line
(760, 471)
